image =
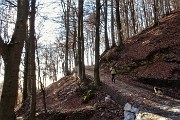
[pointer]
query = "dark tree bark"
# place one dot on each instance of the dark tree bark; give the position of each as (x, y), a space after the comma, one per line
(74, 42)
(105, 26)
(81, 67)
(79, 42)
(97, 39)
(127, 16)
(133, 15)
(155, 12)
(120, 39)
(11, 54)
(82, 43)
(112, 24)
(66, 71)
(32, 61)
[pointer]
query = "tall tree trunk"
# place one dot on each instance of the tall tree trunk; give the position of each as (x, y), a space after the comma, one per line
(161, 8)
(145, 14)
(133, 15)
(26, 65)
(32, 61)
(155, 12)
(12, 54)
(79, 41)
(74, 43)
(97, 40)
(112, 24)
(81, 67)
(167, 7)
(127, 18)
(66, 71)
(82, 42)
(105, 26)
(120, 39)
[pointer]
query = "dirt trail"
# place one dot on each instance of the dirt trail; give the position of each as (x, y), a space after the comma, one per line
(140, 95)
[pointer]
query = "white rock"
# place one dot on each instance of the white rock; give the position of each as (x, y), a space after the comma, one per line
(126, 113)
(134, 110)
(128, 116)
(107, 98)
(127, 107)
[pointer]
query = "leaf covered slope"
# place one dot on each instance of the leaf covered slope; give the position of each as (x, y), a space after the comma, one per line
(153, 54)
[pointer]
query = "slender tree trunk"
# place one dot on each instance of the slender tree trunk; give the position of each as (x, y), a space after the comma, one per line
(26, 61)
(81, 67)
(82, 42)
(133, 15)
(120, 39)
(155, 12)
(66, 71)
(161, 8)
(127, 18)
(167, 8)
(74, 43)
(32, 61)
(12, 55)
(112, 24)
(79, 42)
(145, 14)
(97, 40)
(38, 65)
(105, 26)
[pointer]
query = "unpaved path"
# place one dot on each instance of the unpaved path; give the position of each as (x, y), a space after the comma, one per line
(152, 106)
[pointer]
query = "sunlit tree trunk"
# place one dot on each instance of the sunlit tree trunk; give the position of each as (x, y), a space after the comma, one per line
(12, 55)
(145, 14)
(167, 7)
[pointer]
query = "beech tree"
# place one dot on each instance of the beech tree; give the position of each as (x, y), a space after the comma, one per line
(66, 70)
(32, 61)
(112, 24)
(97, 40)
(11, 53)
(81, 67)
(119, 31)
(105, 26)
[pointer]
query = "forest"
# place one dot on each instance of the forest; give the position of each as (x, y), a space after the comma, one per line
(55, 59)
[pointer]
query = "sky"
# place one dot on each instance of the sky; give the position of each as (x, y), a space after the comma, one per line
(47, 11)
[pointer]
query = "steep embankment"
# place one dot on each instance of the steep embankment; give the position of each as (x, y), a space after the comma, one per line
(153, 55)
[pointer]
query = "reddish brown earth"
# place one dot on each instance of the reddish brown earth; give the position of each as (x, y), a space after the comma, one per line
(64, 102)
(151, 58)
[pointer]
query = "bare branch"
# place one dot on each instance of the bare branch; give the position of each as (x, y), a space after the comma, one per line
(11, 3)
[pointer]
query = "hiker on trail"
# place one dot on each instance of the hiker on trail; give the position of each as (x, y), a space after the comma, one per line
(113, 73)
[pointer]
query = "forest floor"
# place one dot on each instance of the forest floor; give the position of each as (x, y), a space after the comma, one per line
(64, 100)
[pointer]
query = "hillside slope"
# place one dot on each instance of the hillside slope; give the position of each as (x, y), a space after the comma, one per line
(151, 55)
